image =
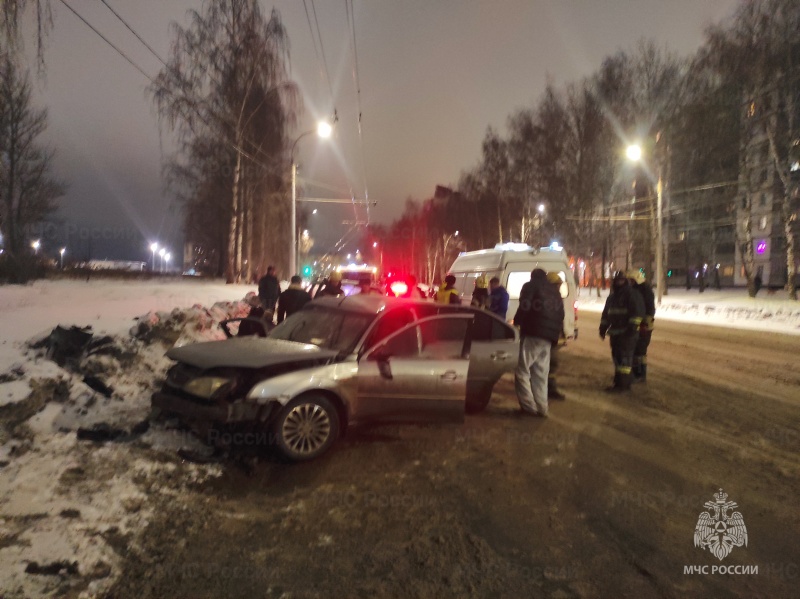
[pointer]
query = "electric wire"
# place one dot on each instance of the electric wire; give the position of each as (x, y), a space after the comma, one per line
(351, 18)
(131, 29)
(252, 144)
(106, 40)
(192, 102)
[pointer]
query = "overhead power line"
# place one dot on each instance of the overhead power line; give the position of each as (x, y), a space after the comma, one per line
(131, 29)
(106, 40)
(192, 102)
(351, 19)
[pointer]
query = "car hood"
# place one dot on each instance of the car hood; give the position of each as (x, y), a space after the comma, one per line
(247, 352)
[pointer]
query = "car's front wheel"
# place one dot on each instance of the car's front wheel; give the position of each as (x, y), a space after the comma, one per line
(306, 427)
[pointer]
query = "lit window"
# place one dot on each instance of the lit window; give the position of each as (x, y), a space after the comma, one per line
(762, 223)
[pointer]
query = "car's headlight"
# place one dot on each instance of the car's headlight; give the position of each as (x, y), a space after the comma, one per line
(208, 387)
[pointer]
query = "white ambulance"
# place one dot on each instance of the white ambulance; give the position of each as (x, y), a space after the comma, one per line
(513, 263)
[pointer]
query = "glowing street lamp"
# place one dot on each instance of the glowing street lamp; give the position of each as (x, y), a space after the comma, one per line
(153, 248)
(167, 257)
(634, 152)
(161, 253)
(36, 245)
(323, 130)
(61, 251)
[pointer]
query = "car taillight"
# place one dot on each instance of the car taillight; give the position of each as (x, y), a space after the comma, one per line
(399, 288)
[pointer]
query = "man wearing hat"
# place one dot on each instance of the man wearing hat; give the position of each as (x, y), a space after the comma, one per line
(640, 286)
(480, 295)
(622, 316)
(333, 287)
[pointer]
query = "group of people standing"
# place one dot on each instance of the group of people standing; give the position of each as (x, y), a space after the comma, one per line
(490, 295)
(271, 303)
(628, 319)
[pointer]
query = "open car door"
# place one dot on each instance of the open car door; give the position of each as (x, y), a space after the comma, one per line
(417, 373)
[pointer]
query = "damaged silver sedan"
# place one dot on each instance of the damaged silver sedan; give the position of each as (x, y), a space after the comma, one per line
(338, 362)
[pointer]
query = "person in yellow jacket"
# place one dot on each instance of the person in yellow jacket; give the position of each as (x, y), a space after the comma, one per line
(447, 293)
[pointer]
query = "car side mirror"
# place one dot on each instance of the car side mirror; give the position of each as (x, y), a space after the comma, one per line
(382, 359)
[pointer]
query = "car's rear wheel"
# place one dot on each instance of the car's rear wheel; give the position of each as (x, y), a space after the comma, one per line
(306, 427)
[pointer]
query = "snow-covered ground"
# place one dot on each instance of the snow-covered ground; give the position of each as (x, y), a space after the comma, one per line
(72, 502)
(728, 308)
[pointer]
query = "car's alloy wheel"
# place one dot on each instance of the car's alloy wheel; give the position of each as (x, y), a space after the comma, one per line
(306, 428)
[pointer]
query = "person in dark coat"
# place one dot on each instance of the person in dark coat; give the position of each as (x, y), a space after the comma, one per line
(498, 298)
(333, 287)
(269, 288)
(293, 299)
(256, 321)
(622, 316)
(480, 295)
(540, 318)
(640, 286)
(365, 287)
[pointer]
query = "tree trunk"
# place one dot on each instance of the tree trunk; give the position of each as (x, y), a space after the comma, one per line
(231, 271)
(748, 256)
(248, 236)
(791, 267)
(499, 223)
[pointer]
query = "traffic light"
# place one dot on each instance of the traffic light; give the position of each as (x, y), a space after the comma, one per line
(307, 270)
(669, 273)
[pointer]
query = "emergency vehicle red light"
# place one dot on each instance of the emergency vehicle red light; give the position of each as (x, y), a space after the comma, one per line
(399, 288)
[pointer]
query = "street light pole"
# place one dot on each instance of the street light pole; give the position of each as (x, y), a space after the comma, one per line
(634, 153)
(662, 281)
(324, 130)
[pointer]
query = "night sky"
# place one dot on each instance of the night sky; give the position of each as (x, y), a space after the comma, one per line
(434, 75)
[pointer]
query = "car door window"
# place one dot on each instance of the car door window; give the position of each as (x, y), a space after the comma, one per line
(404, 345)
(443, 338)
(387, 324)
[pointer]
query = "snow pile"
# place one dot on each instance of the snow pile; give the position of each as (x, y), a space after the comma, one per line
(69, 508)
(729, 308)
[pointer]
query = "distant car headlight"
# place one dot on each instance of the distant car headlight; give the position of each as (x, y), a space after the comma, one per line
(209, 387)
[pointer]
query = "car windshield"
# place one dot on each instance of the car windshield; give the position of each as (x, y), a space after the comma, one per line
(326, 328)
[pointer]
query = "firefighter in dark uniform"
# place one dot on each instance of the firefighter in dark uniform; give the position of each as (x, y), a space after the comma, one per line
(622, 316)
(552, 386)
(639, 285)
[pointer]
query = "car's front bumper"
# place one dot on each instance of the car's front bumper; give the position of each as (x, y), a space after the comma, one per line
(222, 412)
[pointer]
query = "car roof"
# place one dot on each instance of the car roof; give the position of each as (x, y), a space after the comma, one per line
(373, 304)
(365, 304)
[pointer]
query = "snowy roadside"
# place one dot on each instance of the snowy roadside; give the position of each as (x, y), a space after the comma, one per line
(69, 508)
(728, 308)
